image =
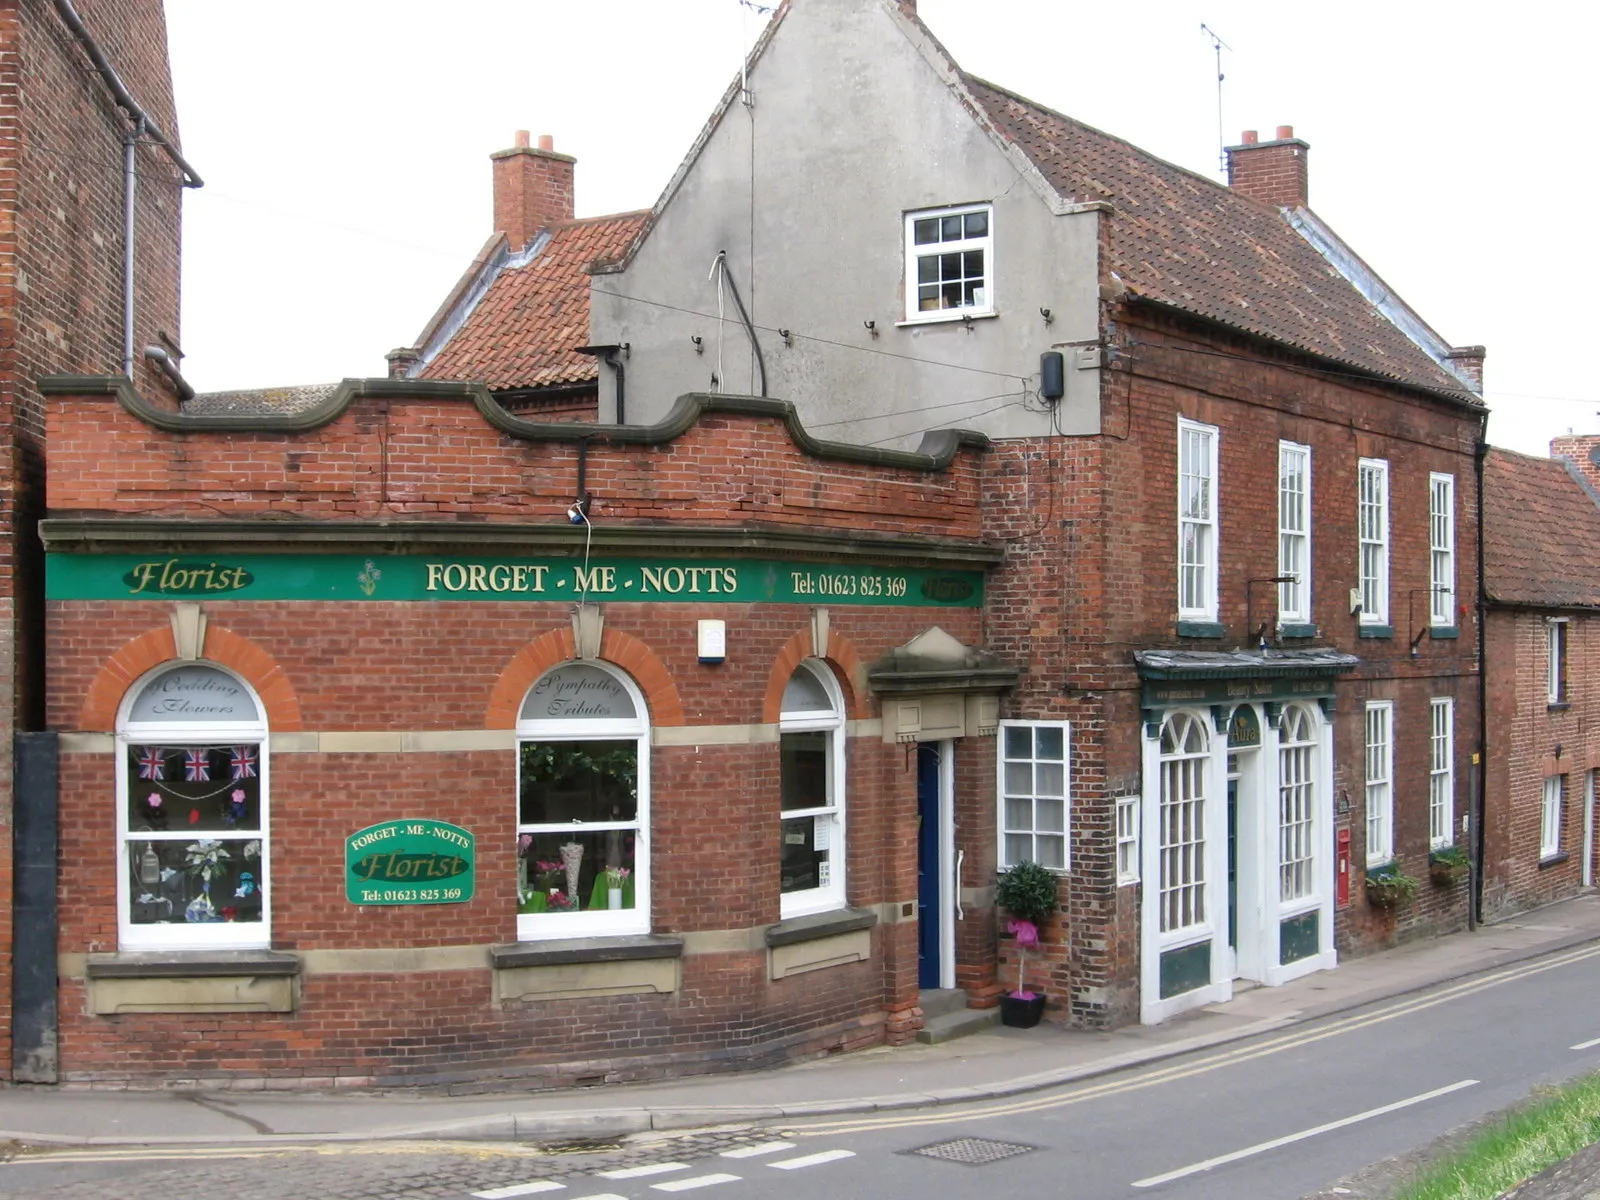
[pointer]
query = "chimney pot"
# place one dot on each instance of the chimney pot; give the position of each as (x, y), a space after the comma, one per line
(1285, 132)
(522, 139)
(546, 142)
(1251, 137)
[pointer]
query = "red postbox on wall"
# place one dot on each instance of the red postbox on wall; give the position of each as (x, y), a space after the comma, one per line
(1341, 868)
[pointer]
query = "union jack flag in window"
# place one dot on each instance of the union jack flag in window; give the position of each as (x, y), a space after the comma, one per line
(243, 762)
(197, 766)
(153, 763)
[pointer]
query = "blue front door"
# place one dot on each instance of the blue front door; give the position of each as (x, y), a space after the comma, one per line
(930, 898)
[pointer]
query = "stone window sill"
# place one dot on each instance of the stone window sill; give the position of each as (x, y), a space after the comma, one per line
(193, 981)
(586, 968)
(1441, 633)
(1201, 629)
(1555, 860)
(820, 925)
(1558, 706)
(558, 952)
(1377, 631)
(819, 940)
(1297, 631)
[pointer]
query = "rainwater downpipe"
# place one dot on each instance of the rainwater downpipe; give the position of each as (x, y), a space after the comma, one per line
(130, 187)
(609, 356)
(1478, 800)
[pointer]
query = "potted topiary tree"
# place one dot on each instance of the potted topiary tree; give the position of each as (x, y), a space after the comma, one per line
(1027, 892)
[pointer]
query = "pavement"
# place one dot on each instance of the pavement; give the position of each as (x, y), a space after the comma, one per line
(996, 1063)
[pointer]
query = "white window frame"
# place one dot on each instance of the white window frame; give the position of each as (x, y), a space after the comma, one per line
(1127, 831)
(1379, 745)
(1294, 534)
(1298, 772)
(1032, 832)
(1550, 817)
(1441, 772)
(180, 934)
(915, 253)
(1442, 550)
(592, 922)
(1197, 448)
(831, 816)
(1556, 633)
(1372, 536)
(1184, 885)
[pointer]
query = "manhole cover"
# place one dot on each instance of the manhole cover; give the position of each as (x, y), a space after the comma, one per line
(975, 1152)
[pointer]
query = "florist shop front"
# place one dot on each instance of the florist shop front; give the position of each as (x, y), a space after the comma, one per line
(401, 740)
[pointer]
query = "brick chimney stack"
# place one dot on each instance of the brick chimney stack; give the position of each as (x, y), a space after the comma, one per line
(1583, 452)
(1273, 172)
(1468, 361)
(532, 188)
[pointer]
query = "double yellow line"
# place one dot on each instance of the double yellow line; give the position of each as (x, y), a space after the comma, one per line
(1056, 1098)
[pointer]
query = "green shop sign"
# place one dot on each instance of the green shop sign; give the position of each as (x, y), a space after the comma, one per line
(430, 578)
(409, 862)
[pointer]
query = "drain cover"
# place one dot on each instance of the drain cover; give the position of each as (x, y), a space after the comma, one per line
(975, 1152)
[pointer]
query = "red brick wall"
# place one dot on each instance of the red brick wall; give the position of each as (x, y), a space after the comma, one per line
(713, 822)
(1273, 172)
(1524, 731)
(61, 222)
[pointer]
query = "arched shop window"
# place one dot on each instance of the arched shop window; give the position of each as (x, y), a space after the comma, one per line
(1297, 747)
(583, 800)
(193, 857)
(811, 757)
(1185, 771)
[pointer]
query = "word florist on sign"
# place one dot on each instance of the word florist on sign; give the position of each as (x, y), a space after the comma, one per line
(410, 862)
(388, 578)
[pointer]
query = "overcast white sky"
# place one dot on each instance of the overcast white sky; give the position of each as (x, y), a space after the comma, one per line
(345, 146)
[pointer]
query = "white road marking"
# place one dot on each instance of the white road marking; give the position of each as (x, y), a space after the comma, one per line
(520, 1189)
(1585, 1045)
(698, 1181)
(641, 1172)
(812, 1160)
(1288, 1139)
(601, 1196)
(754, 1151)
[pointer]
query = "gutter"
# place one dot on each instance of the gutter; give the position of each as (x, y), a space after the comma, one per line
(120, 93)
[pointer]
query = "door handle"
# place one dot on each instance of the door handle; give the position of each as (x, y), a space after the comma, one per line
(961, 913)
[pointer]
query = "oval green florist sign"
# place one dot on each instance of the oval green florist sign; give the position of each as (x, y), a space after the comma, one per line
(409, 862)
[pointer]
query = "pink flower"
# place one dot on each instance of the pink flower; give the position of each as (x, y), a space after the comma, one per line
(238, 795)
(524, 844)
(1027, 933)
(153, 800)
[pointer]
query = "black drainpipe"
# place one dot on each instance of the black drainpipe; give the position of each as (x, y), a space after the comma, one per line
(1479, 801)
(609, 356)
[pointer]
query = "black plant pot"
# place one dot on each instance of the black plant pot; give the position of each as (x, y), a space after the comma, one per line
(1021, 1014)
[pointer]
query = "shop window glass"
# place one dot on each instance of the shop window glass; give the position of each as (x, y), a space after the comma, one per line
(582, 806)
(192, 814)
(811, 775)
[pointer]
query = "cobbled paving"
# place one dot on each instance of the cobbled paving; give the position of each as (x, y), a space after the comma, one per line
(368, 1172)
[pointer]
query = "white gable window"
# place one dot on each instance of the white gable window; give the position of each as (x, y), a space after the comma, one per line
(1197, 521)
(1372, 518)
(1294, 533)
(1034, 789)
(1555, 634)
(583, 803)
(1442, 548)
(1550, 817)
(811, 776)
(192, 814)
(1441, 773)
(950, 263)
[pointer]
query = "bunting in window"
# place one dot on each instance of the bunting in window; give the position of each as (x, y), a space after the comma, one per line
(153, 763)
(243, 762)
(197, 766)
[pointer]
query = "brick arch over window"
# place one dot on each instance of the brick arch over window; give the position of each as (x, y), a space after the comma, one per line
(841, 657)
(620, 649)
(223, 647)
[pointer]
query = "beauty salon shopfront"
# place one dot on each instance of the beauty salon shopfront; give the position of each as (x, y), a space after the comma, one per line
(418, 799)
(1238, 821)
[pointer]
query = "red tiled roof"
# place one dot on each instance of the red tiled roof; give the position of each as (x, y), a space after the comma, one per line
(1181, 239)
(1541, 533)
(525, 331)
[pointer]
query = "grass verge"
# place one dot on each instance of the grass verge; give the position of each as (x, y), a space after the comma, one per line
(1555, 1124)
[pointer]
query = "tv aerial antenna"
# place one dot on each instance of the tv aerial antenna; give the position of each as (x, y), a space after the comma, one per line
(1218, 46)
